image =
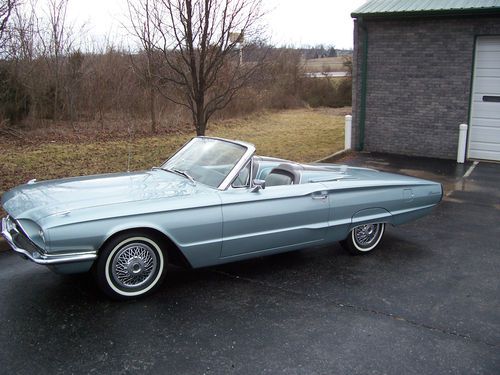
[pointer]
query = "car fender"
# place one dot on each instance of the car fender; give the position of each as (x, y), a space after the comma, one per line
(371, 215)
(143, 224)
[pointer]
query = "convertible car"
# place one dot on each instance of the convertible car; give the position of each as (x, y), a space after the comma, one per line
(214, 201)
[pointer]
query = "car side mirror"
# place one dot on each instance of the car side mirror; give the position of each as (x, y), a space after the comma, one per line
(258, 184)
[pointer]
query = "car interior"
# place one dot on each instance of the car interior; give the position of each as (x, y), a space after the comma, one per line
(283, 174)
(278, 172)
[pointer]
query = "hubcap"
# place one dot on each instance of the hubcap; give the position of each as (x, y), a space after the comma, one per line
(366, 235)
(134, 265)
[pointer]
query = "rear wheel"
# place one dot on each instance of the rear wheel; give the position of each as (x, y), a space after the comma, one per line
(130, 265)
(364, 238)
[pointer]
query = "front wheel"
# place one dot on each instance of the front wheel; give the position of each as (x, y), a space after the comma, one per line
(364, 238)
(130, 265)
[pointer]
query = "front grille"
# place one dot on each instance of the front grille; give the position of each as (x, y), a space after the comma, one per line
(22, 241)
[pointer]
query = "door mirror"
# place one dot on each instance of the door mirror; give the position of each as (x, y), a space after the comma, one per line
(258, 184)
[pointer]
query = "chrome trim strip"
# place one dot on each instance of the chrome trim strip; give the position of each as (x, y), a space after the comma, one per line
(44, 259)
(236, 142)
(249, 177)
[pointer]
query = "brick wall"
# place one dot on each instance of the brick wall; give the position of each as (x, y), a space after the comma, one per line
(418, 82)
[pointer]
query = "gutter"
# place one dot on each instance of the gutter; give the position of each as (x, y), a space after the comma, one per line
(364, 75)
(490, 11)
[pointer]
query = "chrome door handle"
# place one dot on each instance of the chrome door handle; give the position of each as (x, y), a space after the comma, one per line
(322, 195)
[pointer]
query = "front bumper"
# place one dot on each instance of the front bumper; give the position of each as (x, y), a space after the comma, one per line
(36, 255)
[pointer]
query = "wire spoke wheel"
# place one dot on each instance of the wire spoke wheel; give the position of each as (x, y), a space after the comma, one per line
(366, 235)
(134, 265)
(364, 238)
(131, 265)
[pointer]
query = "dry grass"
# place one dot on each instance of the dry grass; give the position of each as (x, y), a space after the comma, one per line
(325, 64)
(302, 135)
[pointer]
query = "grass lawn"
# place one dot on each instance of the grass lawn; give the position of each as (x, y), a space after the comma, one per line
(301, 134)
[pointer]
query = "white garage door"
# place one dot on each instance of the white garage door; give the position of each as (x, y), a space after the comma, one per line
(484, 135)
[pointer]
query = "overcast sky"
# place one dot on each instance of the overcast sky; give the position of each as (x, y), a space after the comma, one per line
(291, 22)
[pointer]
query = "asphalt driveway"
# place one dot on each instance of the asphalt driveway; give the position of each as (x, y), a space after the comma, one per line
(427, 302)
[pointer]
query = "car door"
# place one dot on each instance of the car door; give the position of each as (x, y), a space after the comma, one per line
(274, 219)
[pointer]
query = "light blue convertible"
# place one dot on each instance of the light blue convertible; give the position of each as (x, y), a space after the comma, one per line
(212, 202)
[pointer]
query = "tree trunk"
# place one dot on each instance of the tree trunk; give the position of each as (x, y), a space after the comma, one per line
(200, 117)
(200, 123)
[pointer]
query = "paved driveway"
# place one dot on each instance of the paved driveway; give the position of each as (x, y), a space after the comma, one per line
(427, 302)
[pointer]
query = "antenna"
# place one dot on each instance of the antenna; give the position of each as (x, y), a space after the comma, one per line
(128, 159)
(129, 144)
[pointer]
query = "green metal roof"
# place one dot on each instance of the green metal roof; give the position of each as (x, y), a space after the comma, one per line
(391, 8)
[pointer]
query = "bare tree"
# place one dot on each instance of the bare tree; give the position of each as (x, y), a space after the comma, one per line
(23, 44)
(6, 8)
(347, 65)
(199, 42)
(58, 44)
(21, 48)
(140, 14)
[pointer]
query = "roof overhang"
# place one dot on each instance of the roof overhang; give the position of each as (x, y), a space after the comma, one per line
(429, 13)
(428, 8)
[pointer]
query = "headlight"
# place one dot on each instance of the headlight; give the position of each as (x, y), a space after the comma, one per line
(42, 235)
(9, 224)
(33, 231)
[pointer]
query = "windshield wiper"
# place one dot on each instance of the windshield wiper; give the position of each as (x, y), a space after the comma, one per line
(162, 169)
(177, 171)
(183, 173)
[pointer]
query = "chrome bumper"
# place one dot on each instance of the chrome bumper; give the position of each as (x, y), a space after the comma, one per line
(45, 259)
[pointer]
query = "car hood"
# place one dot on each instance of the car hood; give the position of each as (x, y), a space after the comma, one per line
(37, 200)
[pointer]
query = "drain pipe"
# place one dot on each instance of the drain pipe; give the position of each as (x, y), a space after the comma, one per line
(364, 74)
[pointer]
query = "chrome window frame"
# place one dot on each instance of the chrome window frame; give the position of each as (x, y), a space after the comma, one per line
(238, 167)
(233, 173)
(250, 179)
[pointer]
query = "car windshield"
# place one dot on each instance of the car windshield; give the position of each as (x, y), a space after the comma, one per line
(206, 160)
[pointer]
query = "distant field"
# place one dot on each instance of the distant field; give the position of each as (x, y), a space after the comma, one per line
(302, 135)
(326, 64)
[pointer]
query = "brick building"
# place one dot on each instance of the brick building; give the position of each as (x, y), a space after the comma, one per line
(422, 68)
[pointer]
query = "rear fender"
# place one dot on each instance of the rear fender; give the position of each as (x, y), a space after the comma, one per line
(371, 215)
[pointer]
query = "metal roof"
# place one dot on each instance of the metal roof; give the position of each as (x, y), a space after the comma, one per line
(391, 8)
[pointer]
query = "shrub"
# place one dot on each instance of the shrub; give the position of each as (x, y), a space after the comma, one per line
(14, 102)
(326, 92)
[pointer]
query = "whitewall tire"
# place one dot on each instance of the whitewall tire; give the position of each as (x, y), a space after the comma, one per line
(131, 265)
(364, 238)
